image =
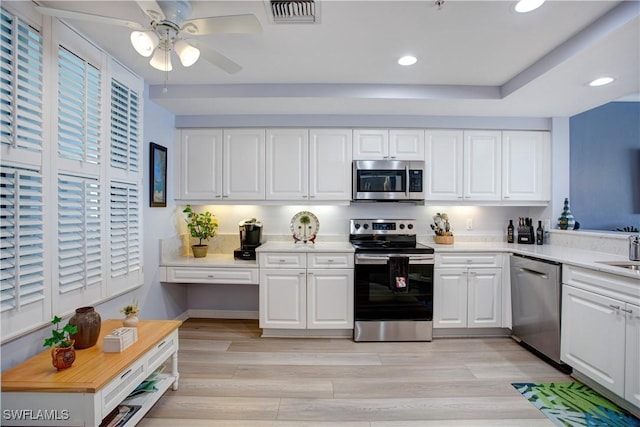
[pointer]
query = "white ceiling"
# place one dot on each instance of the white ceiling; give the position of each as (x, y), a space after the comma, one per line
(475, 58)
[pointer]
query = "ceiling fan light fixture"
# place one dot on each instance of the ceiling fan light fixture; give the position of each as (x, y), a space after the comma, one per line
(187, 53)
(161, 60)
(144, 42)
(524, 6)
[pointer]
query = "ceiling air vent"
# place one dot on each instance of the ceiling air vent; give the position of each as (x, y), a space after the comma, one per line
(294, 11)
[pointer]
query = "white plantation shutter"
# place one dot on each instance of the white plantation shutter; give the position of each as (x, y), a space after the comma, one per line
(79, 104)
(79, 233)
(21, 85)
(21, 238)
(124, 229)
(125, 127)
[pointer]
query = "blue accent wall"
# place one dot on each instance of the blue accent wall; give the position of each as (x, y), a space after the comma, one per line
(605, 166)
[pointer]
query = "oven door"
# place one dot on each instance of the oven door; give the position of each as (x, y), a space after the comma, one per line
(375, 297)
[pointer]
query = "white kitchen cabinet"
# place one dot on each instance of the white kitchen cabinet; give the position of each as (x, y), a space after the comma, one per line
(293, 296)
(385, 144)
(600, 335)
(463, 165)
(482, 165)
(243, 164)
(444, 164)
(526, 166)
(330, 159)
(287, 164)
(593, 337)
(467, 291)
(632, 355)
(308, 164)
(216, 164)
(199, 157)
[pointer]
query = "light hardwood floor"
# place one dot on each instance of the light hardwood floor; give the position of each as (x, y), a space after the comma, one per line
(229, 376)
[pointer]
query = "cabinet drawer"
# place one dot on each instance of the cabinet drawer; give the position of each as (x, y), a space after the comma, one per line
(469, 260)
(120, 387)
(612, 285)
(162, 351)
(283, 260)
(246, 276)
(330, 260)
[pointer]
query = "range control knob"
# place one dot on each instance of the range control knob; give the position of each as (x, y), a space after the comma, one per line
(410, 226)
(401, 226)
(356, 226)
(366, 226)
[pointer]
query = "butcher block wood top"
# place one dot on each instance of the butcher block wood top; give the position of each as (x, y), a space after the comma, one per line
(92, 369)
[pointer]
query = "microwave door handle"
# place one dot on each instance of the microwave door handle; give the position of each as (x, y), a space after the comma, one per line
(406, 171)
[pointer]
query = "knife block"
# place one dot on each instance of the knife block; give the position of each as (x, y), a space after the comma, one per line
(526, 235)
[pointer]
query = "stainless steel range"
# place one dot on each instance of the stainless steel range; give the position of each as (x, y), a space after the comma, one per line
(393, 281)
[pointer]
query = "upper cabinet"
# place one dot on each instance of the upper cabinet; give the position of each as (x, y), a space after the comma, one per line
(526, 166)
(488, 166)
(217, 164)
(385, 144)
(199, 155)
(310, 164)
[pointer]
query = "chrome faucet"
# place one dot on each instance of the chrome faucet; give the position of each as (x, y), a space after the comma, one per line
(634, 248)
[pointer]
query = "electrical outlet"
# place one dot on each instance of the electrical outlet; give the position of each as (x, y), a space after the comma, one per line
(469, 224)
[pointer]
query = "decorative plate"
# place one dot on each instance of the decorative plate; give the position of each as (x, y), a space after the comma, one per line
(304, 226)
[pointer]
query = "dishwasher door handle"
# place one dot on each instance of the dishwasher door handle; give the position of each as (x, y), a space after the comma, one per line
(537, 273)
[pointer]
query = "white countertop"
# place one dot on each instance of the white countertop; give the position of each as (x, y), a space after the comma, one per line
(561, 254)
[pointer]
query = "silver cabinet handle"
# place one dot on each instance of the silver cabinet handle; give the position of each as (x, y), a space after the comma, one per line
(627, 311)
(615, 307)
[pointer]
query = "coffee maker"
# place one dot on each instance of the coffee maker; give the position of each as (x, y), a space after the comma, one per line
(250, 239)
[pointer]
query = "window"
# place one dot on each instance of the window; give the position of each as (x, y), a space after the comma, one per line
(125, 127)
(21, 84)
(125, 259)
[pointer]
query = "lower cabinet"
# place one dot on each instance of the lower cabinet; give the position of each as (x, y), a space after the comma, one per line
(293, 296)
(600, 335)
(467, 297)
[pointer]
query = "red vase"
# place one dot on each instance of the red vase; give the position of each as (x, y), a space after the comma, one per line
(63, 357)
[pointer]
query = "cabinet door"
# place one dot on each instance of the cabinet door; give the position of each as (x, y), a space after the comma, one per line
(450, 298)
(484, 298)
(406, 144)
(632, 356)
(593, 337)
(200, 164)
(370, 144)
(330, 299)
(443, 162)
(287, 164)
(283, 296)
(244, 164)
(526, 166)
(482, 165)
(330, 158)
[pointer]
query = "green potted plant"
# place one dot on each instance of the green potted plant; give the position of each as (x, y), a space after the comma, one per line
(62, 352)
(131, 312)
(201, 226)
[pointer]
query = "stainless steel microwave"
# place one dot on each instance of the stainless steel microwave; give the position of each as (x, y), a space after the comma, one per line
(388, 180)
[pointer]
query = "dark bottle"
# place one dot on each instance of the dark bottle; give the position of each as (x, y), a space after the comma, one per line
(510, 232)
(539, 234)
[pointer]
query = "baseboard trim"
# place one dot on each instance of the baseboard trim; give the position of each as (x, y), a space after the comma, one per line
(221, 314)
(307, 333)
(471, 332)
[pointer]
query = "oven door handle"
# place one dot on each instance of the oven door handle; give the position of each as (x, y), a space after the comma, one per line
(383, 259)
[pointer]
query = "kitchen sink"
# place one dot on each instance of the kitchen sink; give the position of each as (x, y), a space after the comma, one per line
(631, 265)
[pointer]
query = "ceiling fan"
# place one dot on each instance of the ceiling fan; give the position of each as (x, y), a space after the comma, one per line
(170, 29)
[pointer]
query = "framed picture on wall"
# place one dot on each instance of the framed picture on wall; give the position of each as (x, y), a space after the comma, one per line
(158, 190)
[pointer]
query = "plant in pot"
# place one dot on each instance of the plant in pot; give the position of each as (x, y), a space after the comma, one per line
(442, 228)
(131, 312)
(202, 226)
(62, 352)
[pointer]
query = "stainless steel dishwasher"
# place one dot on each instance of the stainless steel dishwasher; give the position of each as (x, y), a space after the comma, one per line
(535, 304)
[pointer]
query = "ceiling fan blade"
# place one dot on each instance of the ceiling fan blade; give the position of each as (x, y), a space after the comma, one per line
(222, 24)
(59, 13)
(218, 59)
(151, 8)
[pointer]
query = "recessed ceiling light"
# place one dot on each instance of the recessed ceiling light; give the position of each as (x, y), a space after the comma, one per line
(524, 6)
(601, 81)
(407, 60)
